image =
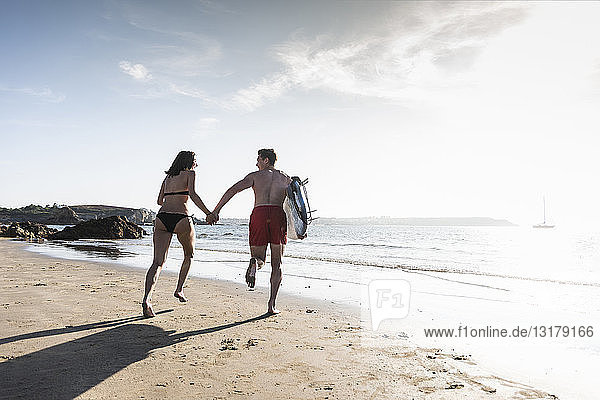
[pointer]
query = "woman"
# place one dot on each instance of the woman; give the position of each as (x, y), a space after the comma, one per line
(173, 217)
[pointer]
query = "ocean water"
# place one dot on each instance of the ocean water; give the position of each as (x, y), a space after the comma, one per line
(474, 277)
(510, 252)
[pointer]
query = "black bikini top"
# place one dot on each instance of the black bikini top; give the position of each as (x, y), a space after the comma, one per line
(186, 192)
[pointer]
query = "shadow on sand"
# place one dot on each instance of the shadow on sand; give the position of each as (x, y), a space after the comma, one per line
(69, 369)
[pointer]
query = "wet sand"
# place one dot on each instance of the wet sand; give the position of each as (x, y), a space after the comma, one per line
(74, 328)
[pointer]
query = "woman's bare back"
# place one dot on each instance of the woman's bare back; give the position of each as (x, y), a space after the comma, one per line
(176, 203)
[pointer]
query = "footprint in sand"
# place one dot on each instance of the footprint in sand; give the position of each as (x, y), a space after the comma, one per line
(228, 344)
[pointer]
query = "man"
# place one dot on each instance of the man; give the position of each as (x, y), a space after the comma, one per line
(268, 223)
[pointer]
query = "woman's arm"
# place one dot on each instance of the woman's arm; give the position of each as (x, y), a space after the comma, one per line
(193, 195)
(161, 194)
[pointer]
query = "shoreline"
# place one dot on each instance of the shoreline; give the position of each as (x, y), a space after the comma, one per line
(68, 318)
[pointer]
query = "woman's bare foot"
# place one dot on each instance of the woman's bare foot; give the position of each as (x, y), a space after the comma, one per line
(147, 310)
(251, 273)
(271, 308)
(180, 296)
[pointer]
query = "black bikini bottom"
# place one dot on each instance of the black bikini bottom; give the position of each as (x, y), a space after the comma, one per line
(171, 219)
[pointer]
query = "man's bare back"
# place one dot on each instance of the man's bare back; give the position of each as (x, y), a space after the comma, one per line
(268, 183)
(269, 187)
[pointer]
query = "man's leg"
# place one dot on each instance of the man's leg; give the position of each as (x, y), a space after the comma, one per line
(276, 275)
(258, 254)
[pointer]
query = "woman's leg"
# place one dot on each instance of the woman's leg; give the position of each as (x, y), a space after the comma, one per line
(187, 237)
(162, 240)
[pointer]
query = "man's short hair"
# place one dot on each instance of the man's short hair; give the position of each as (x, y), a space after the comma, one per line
(268, 153)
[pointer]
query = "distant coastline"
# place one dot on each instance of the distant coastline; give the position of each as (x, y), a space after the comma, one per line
(438, 221)
(434, 221)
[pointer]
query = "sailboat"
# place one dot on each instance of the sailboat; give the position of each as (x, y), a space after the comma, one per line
(543, 224)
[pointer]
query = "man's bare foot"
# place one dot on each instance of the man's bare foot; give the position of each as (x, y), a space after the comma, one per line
(147, 310)
(251, 273)
(180, 296)
(271, 308)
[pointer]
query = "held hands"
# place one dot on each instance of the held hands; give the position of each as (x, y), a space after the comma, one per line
(212, 218)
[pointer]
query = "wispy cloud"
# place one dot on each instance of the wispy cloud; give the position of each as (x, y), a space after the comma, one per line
(137, 71)
(184, 60)
(189, 92)
(398, 64)
(419, 50)
(175, 57)
(181, 53)
(177, 51)
(259, 93)
(43, 94)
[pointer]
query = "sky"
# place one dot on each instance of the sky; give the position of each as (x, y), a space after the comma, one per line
(402, 109)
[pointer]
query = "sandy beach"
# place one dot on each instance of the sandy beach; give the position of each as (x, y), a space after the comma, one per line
(73, 329)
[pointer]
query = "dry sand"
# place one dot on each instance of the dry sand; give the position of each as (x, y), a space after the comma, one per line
(73, 329)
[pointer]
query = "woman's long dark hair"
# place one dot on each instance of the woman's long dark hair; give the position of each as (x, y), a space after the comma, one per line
(184, 160)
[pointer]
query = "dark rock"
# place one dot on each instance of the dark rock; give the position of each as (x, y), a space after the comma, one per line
(26, 230)
(116, 227)
(63, 216)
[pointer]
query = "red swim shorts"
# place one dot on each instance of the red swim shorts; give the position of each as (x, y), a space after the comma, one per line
(268, 225)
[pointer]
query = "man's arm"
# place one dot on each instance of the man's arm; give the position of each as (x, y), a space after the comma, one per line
(288, 179)
(244, 184)
(193, 195)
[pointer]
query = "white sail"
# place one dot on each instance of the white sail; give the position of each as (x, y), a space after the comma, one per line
(544, 224)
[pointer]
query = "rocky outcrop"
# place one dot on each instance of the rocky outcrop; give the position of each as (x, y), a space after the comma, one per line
(69, 215)
(135, 215)
(59, 215)
(63, 216)
(115, 227)
(142, 216)
(26, 230)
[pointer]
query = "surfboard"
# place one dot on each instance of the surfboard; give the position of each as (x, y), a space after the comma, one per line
(298, 214)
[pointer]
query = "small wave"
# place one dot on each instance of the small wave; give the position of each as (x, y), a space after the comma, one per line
(312, 258)
(387, 246)
(384, 246)
(337, 260)
(360, 245)
(223, 250)
(413, 269)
